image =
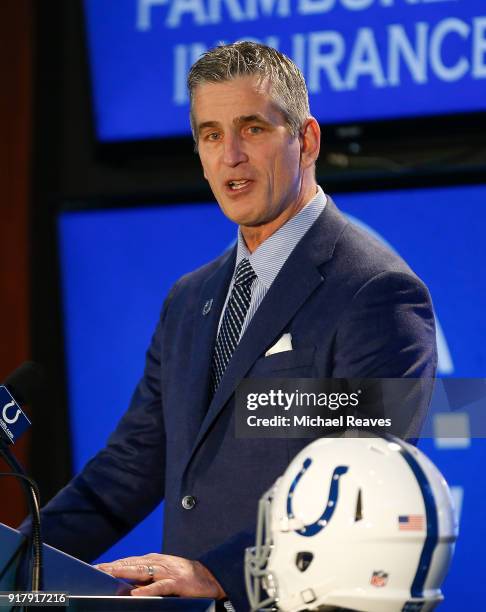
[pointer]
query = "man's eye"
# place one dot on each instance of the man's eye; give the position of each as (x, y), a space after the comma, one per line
(255, 129)
(212, 136)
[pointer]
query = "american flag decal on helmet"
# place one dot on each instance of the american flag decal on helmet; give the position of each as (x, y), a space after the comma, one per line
(411, 522)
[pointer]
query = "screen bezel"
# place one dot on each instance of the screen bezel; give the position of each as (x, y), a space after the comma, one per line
(430, 130)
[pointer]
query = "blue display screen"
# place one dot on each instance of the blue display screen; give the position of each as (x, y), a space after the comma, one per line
(118, 265)
(362, 59)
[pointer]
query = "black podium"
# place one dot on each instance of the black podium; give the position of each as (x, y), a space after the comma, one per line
(89, 589)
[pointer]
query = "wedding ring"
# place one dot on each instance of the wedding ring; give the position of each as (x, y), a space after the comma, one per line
(151, 571)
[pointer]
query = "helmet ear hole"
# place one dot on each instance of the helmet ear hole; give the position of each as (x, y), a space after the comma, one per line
(303, 559)
(358, 515)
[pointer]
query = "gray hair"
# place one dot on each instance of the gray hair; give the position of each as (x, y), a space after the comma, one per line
(226, 62)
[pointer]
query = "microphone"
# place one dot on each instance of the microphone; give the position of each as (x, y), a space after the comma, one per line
(21, 387)
(26, 382)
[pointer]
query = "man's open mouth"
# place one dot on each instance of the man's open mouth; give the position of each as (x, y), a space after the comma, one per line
(239, 184)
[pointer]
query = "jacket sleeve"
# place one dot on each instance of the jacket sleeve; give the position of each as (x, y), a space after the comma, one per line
(388, 332)
(122, 483)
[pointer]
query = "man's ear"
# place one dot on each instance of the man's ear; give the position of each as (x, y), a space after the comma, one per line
(203, 169)
(310, 142)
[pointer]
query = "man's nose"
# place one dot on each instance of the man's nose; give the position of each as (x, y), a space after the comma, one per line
(233, 153)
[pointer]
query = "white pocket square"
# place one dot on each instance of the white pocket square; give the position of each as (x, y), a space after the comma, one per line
(283, 344)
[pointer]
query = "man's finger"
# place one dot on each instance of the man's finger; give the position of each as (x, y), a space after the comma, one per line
(160, 588)
(132, 572)
(126, 561)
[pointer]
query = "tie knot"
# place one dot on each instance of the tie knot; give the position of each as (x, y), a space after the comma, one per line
(244, 274)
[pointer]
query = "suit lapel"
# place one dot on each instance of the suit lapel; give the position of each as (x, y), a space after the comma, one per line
(297, 280)
(209, 306)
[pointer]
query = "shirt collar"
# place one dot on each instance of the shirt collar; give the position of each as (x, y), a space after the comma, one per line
(268, 259)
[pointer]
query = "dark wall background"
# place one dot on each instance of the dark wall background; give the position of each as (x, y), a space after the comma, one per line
(49, 159)
(15, 150)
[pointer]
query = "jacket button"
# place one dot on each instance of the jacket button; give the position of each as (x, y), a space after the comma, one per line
(188, 502)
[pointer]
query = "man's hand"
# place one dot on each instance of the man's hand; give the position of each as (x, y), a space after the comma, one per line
(166, 575)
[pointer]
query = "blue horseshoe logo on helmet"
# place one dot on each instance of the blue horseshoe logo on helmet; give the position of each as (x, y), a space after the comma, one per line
(323, 520)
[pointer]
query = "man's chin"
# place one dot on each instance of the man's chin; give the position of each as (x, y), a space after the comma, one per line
(245, 221)
(237, 213)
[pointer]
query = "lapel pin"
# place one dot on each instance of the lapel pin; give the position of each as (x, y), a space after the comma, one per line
(207, 307)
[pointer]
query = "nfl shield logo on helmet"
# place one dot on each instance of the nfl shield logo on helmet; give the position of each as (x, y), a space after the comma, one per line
(379, 579)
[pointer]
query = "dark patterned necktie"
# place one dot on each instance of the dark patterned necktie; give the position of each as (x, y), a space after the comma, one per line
(233, 318)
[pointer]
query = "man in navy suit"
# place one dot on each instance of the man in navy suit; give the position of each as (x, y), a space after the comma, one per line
(346, 306)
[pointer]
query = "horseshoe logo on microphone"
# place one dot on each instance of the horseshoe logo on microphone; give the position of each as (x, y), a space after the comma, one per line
(323, 520)
(8, 420)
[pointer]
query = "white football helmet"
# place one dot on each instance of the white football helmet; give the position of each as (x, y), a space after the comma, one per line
(356, 523)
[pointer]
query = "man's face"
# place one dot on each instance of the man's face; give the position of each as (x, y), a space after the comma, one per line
(250, 159)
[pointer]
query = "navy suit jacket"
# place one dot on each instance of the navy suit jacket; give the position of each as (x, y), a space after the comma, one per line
(353, 308)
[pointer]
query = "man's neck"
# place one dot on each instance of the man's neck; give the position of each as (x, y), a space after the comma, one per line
(255, 236)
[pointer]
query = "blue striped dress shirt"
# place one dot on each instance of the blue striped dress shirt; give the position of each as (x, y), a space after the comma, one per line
(268, 259)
